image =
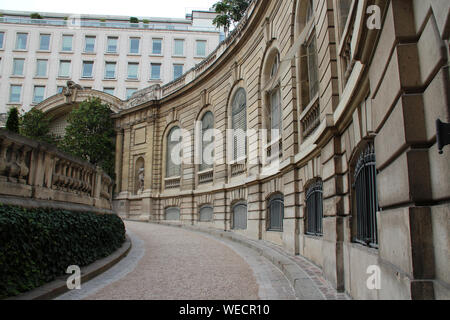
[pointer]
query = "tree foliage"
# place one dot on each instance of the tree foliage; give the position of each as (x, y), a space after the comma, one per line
(12, 123)
(35, 125)
(229, 12)
(90, 134)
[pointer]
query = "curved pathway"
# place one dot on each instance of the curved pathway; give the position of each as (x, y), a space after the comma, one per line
(169, 263)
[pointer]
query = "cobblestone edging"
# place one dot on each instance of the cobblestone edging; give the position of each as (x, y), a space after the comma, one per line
(58, 287)
(306, 278)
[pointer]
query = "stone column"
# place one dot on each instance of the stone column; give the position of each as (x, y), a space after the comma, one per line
(119, 158)
(125, 160)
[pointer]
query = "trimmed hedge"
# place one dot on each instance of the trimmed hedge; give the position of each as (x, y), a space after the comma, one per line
(37, 245)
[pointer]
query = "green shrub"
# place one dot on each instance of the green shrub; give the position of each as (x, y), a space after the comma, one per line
(37, 245)
(134, 20)
(35, 16)
(12, 123)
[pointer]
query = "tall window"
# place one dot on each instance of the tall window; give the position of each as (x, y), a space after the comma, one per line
(157, 46)
(275, 114)
(200, 48)
(89, 44)
(343, 12)
(41, 68)
(172, 214)
(2, 39)
(111, 46)
(314, 209)
(67, 43)
(313, 79)
(366, 199)
(18, 66)
(15, 93)
(207, 140)
(38, 94)
(239, 124)
(173, 164)
(110, 70)
(276, 213)
(64, 69)
(134, 45)
(177, 71)
(21, 41)
(239, 219)
(88, 68)
(178, 47)
(206, 213)
(155, 71)
(133, 68)
(109, 91)
(44, 42)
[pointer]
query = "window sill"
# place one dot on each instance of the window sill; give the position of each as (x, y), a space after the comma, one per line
(40, 78)
(89, 53)
(13, 103)
(111, 54)
(182, 57)
(133, 54)
(16, 77)
(43, 51)
(273, 230)
(63, 78)
(132, 80)
(20, 50)
(66, 52)
(156, 55)
(155, 80)
(86, 78)
(360, 246)
(109, 79)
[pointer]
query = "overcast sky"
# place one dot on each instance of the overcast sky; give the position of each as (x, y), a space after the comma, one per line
(137, 8)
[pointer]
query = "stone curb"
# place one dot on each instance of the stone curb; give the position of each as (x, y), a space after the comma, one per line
(58, 287)
(303, 285)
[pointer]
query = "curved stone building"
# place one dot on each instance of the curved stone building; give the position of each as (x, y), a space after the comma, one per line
(354, 181)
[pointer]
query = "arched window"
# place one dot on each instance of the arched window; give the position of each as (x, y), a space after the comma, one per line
(366, 199)
(172, 214)
(314, 208)
(207, 140)
(173, 162)
(239, 219)
(276, 213)
(239, 124)
(206, 213)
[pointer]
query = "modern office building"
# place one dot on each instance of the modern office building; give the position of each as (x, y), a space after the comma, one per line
(105, 53)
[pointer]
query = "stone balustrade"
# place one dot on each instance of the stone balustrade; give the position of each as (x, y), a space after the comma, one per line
(37, 174)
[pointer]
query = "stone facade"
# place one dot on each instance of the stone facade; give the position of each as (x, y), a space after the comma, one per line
(382, 80)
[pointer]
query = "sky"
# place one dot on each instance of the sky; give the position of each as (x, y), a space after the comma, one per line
(136, 8)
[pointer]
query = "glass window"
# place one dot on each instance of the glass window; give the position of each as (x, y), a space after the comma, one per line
(112, 45)
(38, 94)
(239, 124)
(18, 66)
(134, 45)
(2, 37)
(88, 67)
(44, 42)
(110, 70)
(41, 68)
(201, 48)
(14, 93)
(313, 70)
(179, 48)
(206, 214)
(155, 71)
(157, 46)
(59, 89)
(314, 208)
(275, 110)
(67, 43)
(109, 91)
(89, 45)
(173, 139)
(172, 214)
(21, 41)
(130, 92)
(207, 140)
(133, 70)
(276, 213)
(177, 71)
(344, 9)
(64, 69)
(239, 216)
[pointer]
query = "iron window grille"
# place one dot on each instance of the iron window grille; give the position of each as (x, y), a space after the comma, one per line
(276, 213)
(365, 187)
(314, 209)
(239, 219)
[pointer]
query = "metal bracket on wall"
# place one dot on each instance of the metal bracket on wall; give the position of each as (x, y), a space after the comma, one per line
(442, 135)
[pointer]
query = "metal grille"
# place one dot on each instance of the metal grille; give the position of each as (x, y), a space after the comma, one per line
(206, 214)
(314, 209)
(365, 187)
(172, 214)
(276, 213)
(240, 217)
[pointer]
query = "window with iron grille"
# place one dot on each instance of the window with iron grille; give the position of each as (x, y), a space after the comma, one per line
(207, 139)
(172, 214)
(173, 139)
(239, 220)
(314, 209)
(366, 199)
(276, 213)
(239, 124)
(206, 213)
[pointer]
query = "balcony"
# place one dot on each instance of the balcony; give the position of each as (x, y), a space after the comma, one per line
(172, 183)
(206, 176)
